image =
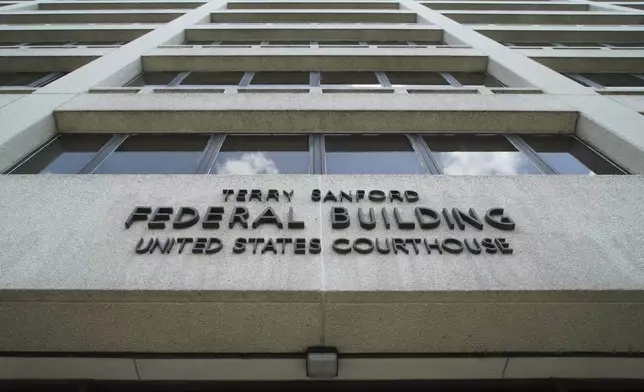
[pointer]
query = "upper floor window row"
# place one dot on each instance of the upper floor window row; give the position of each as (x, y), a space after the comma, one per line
(315, 78)
(28, 79)
(404, 44)
(577, 45)
(462, 154)
(599, 80)
(58, 44)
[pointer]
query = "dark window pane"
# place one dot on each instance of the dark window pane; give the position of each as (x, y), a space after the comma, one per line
(580, 44)
(143, 154)
(567, 155)
(371, 154)
(20, 78)
(614, 79)
(280, 78)
(388, 43)
(289, 43)
(68, 154)
(152, 79)
(476, 79)
(239, 43)
(10, 43)
(421, 78)
(349, 78)
(537, 44)
(428, 43)
(197, 42)
(47, 43)
(334, 43)
(263, 155)
(478, 155)
(213, 78)
(626, 44)
(99, 43)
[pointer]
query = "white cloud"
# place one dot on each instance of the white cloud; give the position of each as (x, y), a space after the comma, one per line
(478, 163)
(248, 163)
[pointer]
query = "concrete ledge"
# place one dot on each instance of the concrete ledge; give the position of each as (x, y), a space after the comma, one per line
(25, 368)
(75, 32)
(506, 5)
(304, 59)
(328, 31)
(86, 16)
(546, 17)
(316, 5)
(518, 33)
(48, 60)
(222, 369)
(421, 368)
(333, 16)
(621, 368)
(116, 5)
(315, 113)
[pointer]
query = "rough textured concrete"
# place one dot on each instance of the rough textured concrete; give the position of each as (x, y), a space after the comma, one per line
(314, 113)
(70, 265)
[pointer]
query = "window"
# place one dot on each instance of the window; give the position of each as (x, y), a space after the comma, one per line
(66, 154)
(338, 43)
(627, 44)
(248, 154)
(289, 43)
(263, 154)
(279, 78)
(428, 43)
(476, 79)
(350, 78)
(27, 79)
(198, 42)
(371, 154)
(239, 43)
(416, 78)
(141, 154)
(608, 79)
(530, 44)
(152, 79)
(212, 78)
(388, 43)
(567, 155)
(478, 155)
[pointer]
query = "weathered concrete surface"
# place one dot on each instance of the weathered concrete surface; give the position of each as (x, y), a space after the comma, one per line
(71, 281)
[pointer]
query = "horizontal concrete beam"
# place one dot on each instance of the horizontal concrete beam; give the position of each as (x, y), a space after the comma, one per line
(563, 33)
(48, 60)
(600, 61)
(506, 5)
(66, 33)
(317, 5)
(314, 113)
(114, 5)
(330, 31)
(544, 17)
(307, 59)
(561, 291)
(294, 368)
(103, 16)
(333, 16)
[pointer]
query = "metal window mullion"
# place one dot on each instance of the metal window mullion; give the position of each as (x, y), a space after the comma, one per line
(531, 154)
(421, 148)
(450, 79)
(178, 79)
(245, 80)
(33, 154)
(589, 82)
(382, 78)
(210, 154)
(103, 153)
(316, 148)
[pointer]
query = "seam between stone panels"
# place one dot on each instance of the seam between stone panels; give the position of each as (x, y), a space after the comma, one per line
(323, 301)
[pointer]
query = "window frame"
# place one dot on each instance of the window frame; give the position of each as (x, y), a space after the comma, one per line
(317, 151)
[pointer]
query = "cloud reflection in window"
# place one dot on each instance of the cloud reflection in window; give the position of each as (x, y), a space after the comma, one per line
(248, 163)
(482, 163)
